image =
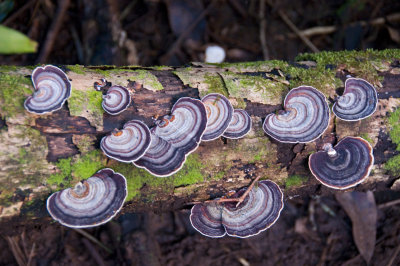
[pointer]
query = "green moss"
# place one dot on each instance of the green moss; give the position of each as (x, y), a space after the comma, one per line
(321, 78)
(64, 177)
(393, 165)
(137, 177)
(361, 63)
(85, 143)
(190, 173)
(14, 89)
(216, 84)
(5, 69)
(367, 138)
(85, 166)
(87, 104)
(148, 80)
(77, 69)
(295, 181)
(394, 123)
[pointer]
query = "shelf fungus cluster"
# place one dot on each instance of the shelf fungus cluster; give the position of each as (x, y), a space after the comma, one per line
(116, 100)
(174, 137)
(343, 166)
(359, 100)
(239, 126)
(52, 89)
(259, 210)
(219, 115)
(91, 202)
(128, 144)
(305, 117)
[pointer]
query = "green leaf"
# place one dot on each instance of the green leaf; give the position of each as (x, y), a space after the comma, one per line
(14, 42)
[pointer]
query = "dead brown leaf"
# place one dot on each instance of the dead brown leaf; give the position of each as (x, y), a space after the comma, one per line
(361, 208)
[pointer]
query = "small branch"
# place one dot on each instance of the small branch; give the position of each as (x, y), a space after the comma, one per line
(238, 200)
(93, 239)
(263, 30)
(53, 31)
(322, 30)
(298, 32)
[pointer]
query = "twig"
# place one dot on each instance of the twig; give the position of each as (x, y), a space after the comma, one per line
(240, 199)
(322, 30)
(18, 13)
(16, 250)
(93, 239)
(95, 255)
(31, 254)
(394, 256)
(388, 204)
(175, 46)
(298, 32)
(53, 31)
(263, 29)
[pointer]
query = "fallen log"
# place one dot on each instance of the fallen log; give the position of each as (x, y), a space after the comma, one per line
(40, 154)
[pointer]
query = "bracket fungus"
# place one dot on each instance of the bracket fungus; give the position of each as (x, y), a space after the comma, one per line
(91, 202)
(259, 210)
(305, 117)
(52, 89)
(162, 158)
(116, 100)
(346, 165)
(129, 144)
(174, 137)
(359, 100)
(219, 114)
(240, 125)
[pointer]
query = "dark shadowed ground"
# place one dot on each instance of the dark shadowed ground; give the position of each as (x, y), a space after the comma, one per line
(312, 230)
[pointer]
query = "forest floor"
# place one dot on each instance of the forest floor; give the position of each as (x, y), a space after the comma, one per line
(311, 230)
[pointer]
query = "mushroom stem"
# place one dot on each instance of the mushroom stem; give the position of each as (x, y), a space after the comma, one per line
(330, 150)
(241, 198)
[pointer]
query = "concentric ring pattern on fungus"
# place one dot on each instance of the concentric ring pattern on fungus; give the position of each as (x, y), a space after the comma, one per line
(174, 137)
(359, 100)
(260, 210)
(116, 100)
(92, 202)
(185, 126)
(305, 117)
(240, 125)
(346, 165)
(219, 114)
(162, 158)
(129, 144)
(52, 89)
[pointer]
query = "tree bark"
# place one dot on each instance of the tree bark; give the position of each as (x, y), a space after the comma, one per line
(42, 154)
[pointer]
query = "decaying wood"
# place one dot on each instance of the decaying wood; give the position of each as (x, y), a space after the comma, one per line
(33, 145)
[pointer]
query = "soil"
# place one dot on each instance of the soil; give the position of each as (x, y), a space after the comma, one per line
(312, 230)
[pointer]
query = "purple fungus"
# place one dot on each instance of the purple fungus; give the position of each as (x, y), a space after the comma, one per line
(128, 144)
(219, 115)
(52, 89)
(343, 166)
(91, 202)
(240, 125)
(305, 117)
(116, 100)
(259, 210)
(359, 100)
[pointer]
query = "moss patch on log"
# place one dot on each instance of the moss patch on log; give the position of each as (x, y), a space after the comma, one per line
(147, 79)
(23, 161)
(14, 89)
(87, 104)
(295, 181)
(393, 164)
